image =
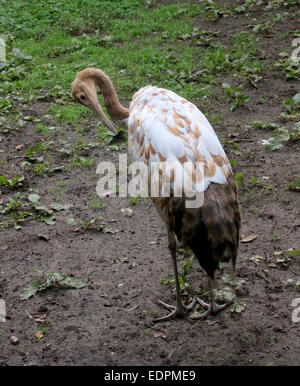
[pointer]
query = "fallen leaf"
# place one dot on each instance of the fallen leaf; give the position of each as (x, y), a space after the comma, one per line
(19, 147)
(43, 237)
(127, 212)
(39, 335)
(159, 334)
(256, 259)
(108, 230)
(273, 265)
(248, 239)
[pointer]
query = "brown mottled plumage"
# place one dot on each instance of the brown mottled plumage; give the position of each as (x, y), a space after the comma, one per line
(211, 231)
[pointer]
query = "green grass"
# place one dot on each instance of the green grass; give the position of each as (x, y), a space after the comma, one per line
(134, 43)
(120, 37)
(70, 114)
(82, 162)
(42, 129)
(96, 204)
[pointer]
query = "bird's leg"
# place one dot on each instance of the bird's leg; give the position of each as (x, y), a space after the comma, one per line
(233, 276)
(180, 310)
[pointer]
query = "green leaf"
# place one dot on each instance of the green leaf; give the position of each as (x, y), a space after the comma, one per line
(49, 220)
(288, 103)
(17, 180)
(280, 137)
(71, 221)
(295, 185)
(29, 290)
(238, 307)
(34, 198)
(239, 177)
(233, 163)
(296, 99)
(3, 180)
(226, 294)
(228, 88)
(43, 209)
(49, 280)
(293, 252)
(264, 125)
(69, 281)
(226, 278)
(57, 206)
(75, 283)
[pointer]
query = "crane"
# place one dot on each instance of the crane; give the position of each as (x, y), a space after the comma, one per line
(164, 127)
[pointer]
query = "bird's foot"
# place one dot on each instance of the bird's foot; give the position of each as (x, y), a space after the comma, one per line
(180, 311)
(212, 308)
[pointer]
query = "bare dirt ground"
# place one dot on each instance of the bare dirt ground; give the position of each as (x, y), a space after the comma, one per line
(109, 322)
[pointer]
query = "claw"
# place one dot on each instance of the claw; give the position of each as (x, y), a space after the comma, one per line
(219, 307)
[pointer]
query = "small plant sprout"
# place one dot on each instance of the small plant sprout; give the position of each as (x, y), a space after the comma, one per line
(236, 95)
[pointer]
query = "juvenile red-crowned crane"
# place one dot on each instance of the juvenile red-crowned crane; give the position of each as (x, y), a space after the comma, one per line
(164, 127)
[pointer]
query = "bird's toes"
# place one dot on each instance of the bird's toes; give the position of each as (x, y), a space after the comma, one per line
(219, 307)
(197, 315)
(166, 305)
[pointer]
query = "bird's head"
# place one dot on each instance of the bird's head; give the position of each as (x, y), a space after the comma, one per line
(84, 92)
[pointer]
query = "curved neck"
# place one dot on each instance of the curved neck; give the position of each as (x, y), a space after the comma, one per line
(114, 108)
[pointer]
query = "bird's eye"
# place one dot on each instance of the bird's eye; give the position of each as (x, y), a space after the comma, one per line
(82, 97)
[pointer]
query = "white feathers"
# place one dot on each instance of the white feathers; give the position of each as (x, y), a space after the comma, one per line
(163, 127)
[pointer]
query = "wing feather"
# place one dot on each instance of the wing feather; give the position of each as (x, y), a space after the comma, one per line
(164, 127)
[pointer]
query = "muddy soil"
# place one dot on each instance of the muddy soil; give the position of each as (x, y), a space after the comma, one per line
(109, 322)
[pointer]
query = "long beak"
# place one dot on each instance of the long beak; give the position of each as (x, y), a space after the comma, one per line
(106, 122)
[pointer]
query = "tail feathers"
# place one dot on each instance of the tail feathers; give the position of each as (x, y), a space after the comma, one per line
(211, 231)
(224, 221)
